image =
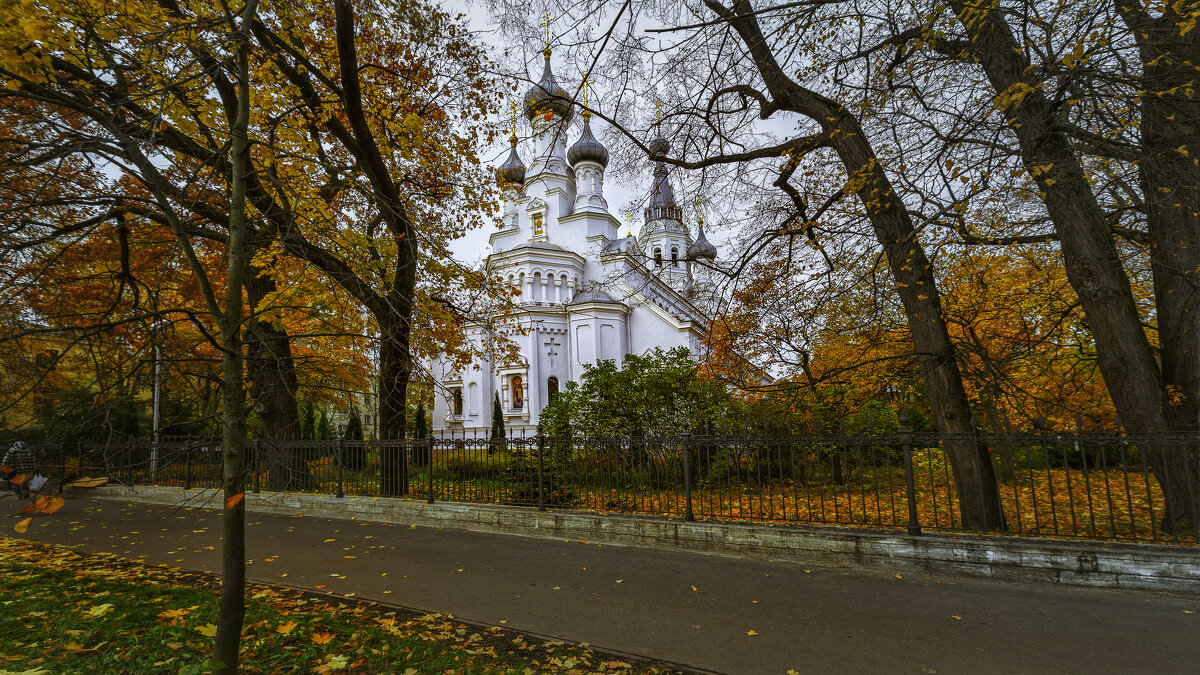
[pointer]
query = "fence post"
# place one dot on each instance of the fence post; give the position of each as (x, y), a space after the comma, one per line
(257, 461)
(129, 462)
(187, 466)
(687, 477)
(429, 466)
(62, 466)
(914, 526)
(338, 454)
(541, 445)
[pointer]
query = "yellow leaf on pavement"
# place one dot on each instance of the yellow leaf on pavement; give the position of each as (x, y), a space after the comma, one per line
(23, 525)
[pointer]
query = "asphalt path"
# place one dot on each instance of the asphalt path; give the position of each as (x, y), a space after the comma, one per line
(713, 613)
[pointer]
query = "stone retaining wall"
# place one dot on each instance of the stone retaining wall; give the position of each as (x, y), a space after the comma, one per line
(1157, 567)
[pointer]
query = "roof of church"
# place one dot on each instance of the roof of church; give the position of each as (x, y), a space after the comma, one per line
(592, 295)
(662, 196)
(512, 171)
(546, 95)
(587, 148)
(702, 248)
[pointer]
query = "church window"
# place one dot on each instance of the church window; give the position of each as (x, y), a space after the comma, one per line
(658, 257)
(551, 388)
(473, 399)
(458, 401)
(537, 287)
(674, 256)
(518, 396)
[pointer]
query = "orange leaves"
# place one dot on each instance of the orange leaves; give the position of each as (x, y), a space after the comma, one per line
(286, 628)
(234, 500)
(322, 638)
(45, 504)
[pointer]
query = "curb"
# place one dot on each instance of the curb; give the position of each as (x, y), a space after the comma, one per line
(1098, 564)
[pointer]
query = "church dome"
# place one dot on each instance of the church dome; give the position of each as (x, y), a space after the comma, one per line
(659, 147)
(587, 148)
(512, 171)
(702, 248)
(547, 96)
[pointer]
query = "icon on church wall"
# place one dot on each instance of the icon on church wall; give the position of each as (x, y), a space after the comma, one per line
(537, 224)
(518, 394)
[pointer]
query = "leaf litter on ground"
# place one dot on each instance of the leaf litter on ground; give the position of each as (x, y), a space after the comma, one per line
(128, 616)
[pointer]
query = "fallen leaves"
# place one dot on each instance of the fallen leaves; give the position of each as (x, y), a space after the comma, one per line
(22, 525)
(101, 610)
(752, 633)
(285, 628)
(322, 638)
(207, 630)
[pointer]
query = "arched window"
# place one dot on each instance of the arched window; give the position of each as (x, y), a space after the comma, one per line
(674, 256)
(518, 394)
(551, 388)
(658, 257)
(458, 402)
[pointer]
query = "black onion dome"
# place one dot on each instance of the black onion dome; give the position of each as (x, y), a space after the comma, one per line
(547, 96)
(701, 249)
(512, 171)
(659, 147)
(587, 148)
(662, 197)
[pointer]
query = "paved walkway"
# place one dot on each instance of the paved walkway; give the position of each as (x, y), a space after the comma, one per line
(719, 614)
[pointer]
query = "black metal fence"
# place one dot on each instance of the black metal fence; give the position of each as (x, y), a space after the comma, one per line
(1085, 485)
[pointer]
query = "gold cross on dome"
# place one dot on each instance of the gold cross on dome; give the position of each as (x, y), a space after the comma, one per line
(658, 112)
(512, 109)
(700, 210)
(546, 27)
(585, 84)
(629, 222)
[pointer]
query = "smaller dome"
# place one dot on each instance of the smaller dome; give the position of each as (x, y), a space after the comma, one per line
(512, 171)
(587, 148)
(701, 249)
(547, 96)
(659, 147)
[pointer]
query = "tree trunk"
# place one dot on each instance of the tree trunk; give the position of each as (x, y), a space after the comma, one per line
(1170, 182)
(395, 368)
(232, 605)
(273, 385)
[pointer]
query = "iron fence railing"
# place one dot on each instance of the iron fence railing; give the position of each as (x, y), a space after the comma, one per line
(1082, 485)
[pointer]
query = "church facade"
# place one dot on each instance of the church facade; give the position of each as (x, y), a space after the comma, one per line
(583, 292)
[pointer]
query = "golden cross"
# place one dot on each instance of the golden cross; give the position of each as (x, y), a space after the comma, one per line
(587, 80)
(629, 222)
(657, 113)
(546, 26)
(512, 109)
(700, 210)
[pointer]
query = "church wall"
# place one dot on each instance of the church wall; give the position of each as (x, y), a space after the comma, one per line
(648, 330)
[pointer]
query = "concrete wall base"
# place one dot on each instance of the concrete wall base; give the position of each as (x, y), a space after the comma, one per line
(1114, 565)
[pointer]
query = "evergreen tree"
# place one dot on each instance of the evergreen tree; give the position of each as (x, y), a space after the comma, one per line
(308, 422)
(323, 432)
(420, 427)
(420, 430)
(497, 425)
(356, 450)
(497, 419)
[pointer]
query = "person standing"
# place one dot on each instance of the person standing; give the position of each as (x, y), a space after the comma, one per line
(21, 463)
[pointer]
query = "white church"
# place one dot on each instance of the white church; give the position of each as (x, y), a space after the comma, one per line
(585, 293)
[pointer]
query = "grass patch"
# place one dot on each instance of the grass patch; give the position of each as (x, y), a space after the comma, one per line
(68, 612)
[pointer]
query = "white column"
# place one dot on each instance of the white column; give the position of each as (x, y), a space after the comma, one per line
(570, 289)
(527, 293)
